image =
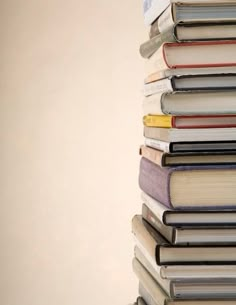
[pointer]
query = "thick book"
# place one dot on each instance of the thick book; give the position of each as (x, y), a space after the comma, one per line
(164, 253)
(187, 10)
(192, 146)
(167, 273)
(189, 187)
(190, 235)
(191, 103)
(153, 294)
(188, 134)
(195, 289)
(192, 55)
(186, 32)
(165, 159)
(187, 218)
(197, 121)
(216, 82)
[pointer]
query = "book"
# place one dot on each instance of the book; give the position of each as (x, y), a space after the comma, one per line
(192, 146)
(195, 289)
(215, 82)
(187, 218)
(186, 32)
(191, 103)
(164, 159)
(153, 294)
(189, 187)
(192, 55)
(188, 134)
(187, 10)
(188, 72)
(168, 273)
(207, 121)
(190, 235)
(164, 253)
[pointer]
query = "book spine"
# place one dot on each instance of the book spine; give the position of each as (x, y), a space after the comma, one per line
(153, 155)
(155, 206)
(160, 86)
(160, 145)
(165, 21)
(152, 104)
(154, 181)
(150, 217)
(144, 258)
(143, 236)
(154, 29)
(158, 133)
(148, 282)
(155, 76)
(151, 267)
(146, 296)
(163, 121)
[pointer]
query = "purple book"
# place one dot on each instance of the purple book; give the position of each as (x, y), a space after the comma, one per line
(190, 187)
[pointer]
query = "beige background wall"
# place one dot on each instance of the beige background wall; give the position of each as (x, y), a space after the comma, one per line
(70, 117)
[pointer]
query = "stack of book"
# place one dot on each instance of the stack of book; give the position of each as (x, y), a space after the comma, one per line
(185, 239)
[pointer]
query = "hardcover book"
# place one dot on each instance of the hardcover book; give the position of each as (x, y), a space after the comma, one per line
(193, 55)
(197, 121)
(186, 289)
(167, 273)
(164, 159)
(153, 294)
(164, 253)
(191, 103)
(191, 147)
(188, 134)
(190, 218)
(216, 82)
(189, 187)
(201, 235)
(187, 10)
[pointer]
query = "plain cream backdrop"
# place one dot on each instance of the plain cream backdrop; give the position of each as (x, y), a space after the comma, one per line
(70, 114)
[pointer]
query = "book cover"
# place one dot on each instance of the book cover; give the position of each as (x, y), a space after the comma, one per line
(189, 187)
